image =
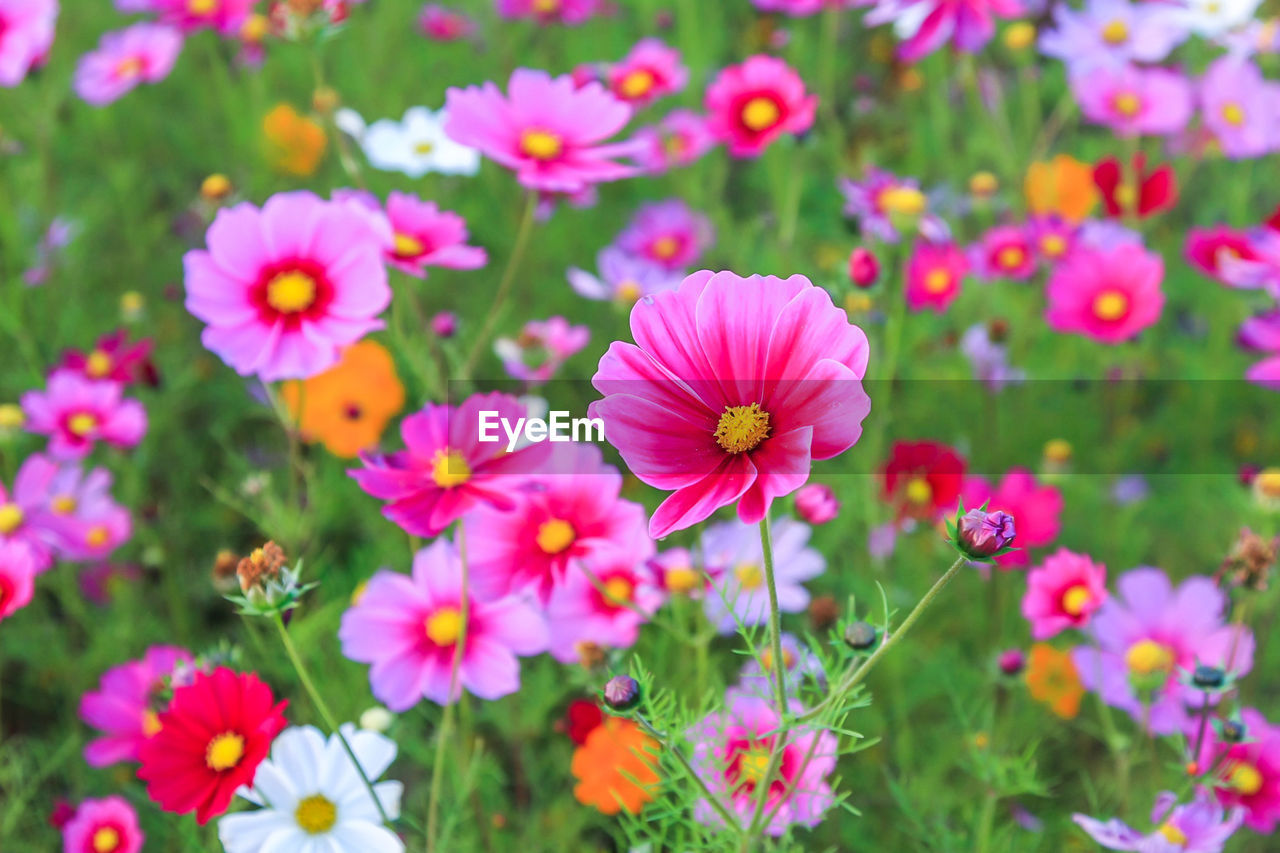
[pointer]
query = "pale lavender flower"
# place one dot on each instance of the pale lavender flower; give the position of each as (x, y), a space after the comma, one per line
(1201, 826)
(865, 201)
(623, 277)
(734, 556)
(1111, 32)
(1240, 107)
(799, 663)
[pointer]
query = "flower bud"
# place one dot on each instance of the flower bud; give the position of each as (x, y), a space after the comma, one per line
(823, 612)
(984, 534)
(983, 184)
(1208, 677)
(260, 567)
(1019, 35)
(444, 324)
(817, 504)
(1232, 731)
(216, 187)
(325, 100)
(864, 267)
(376, 719)
(860, 636)
(622, 693)
(1012, 661)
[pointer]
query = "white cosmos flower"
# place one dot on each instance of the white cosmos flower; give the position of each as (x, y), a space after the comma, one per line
(1213, 18)
(313, 800)
(415, 145)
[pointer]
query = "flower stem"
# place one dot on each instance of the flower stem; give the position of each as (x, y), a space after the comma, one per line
(446, 719)
(775, 621)
(523, 233)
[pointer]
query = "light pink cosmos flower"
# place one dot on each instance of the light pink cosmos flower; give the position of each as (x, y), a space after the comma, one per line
(967, 24)
(1063, 592)
(424, 236)
(26, 34)
(550, 11)
(935, 272)
(623, 277)
(1200, 826)
(667, 233)
(1134, 101)
(1240, 107)
(731, 751)
(79, 511)
(603, 601)
(76, 413)
(285, 287)
(1247, 774)
(1261, 333)
(804, 8)
(678, 140)
(1111, 32)
(109, 824)
(752, 105)
(541, 349)
(445, 470)
(17, 577)
(225, 16)
(1005, 251)
(1107, 295)
(142, 53)
(650, 71)
(408, 628)
(816, 503)
(737, 555)
(548, 130)
(735, 386)
(1034, 506)
(125, 705)
(572, 513)
(24, 511)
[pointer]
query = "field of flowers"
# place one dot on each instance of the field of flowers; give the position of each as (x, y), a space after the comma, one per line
(639, 425)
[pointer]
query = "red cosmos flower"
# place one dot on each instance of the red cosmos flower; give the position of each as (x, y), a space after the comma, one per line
(218, 729)
(581, 719)
(1155, 191)
(922, 479)
(113, 358)
(1273, 222)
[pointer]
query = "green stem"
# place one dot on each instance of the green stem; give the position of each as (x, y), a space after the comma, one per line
(504, 286)
(775, 621)
(986, 820)
(446, 720)
(727, 816)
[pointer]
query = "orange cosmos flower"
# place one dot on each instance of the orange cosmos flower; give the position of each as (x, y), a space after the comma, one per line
(616, 767)
(1063, 185)
(1053, 680)
(295, 143)
(347, 407)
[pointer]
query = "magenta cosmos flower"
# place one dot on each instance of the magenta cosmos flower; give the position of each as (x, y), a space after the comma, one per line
(79, 510)
(143, 53)
(1247, 774)
(1108, 295)
(678, 140)
(1133, 101)
(667, 233)
(283, 288)
(445, 470)
(17, 577)
(816, 503)
(935, 272)
(752, 105)
(408, 628)
(602, 601)
(548, 130)
(967, 24)
(112, 357)
(1063, 592)
(1201, 826)
(225, 16)
(650, 71)
(1240, 107)
(1149, 636)
(1005, 251)
(731, 751)
(440, 23)
(735, 385)
(126, 704)
(108, 825)
(26, 34)
(550, 11)
(424, 236)
(76, 413)
(1035, 506)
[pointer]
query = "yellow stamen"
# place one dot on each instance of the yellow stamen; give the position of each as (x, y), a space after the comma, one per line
(424, 148)
(316, 814)
(1245, 780)
(1075, 599)
(449, 469)
(1233, 113)
(742, 428)
(129, 68)
(907, 201)
(665, 247)
(1147, 657)
(546, 7)
(618, 590)
(224, 751)
(683, 580)
(1172, 834)
(752, 765)
(291, 292)
(202, 7)
(150, 723)
(106, 839)
(555, 536)
(408, 246)
(541, 145)
(1011, 257)
(919, 491)
(749, 576)
(82, 424)
(766, 659)
(98, 364)
(628, 291)
(937, 281)
(760, 113)
(1115, 32)
(444, 626)
(97, 536)
(636, 84)
(1127, 104)
(1053, 245)
(1110, 305)
(11, 516)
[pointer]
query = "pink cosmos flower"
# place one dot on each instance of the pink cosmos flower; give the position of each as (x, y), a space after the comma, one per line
(1201, 826)
(440, 23)
(935, 272)
(125, 705)
(17, 577)
(445, 470)
(142, 53)
(1005, 251)
(79, 511)
(26, 34)
(667, 233)
(1262, 334)
(804, 8)
(548, 130)
(1133, 101)
(1211, 249)
(408, 628)
(24, 511)
(731, 751)
(1240, 107)
(1248, 773)
(113, 358)
(650, 71)
(678, 140)
(1063, 592)
(573, 513)
(1052, 236)
(735, 386)
(1034, 506)
(550, 11)
(76, 413)
(816, 503)
(623, 277)
(1108, 295)
(601, 601)
(740, 594)
(750, 106)
(225, 16)
(109, 825)
(967, 24)
(1149, 636)
(285, 287)
(424, 236)
(541, 349)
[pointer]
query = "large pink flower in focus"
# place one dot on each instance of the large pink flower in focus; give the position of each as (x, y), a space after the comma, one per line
(126, 704)
(408, 628)
(967, 24)
(283, 288)
(425, 236)
(445, 470)
(142, 53)
(751, 105)
(76, 413)
(26, 34)
(1109, 295)
(548, 130)
(572, 513)
(1035, 509)
(735, 386)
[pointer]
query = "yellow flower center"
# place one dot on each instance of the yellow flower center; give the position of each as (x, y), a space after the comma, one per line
(1011, 257)
(150, 723)
(316, 814)
(555, 536)
(444, 626)
(742, 428)
(97, 536)
(129, 68)
(11, 416)
(408, 246)
(907, 201)
(665, 248)
(82, 424)
(766, 659)
(1053, 245)
(106, 839)
(1233, 113)
(1020, 35)
(202, 7)
(937, 281)
(760, 113)
(545, 7)
(1126, 195)
(1127, 104)
(291, 292)
(1172, 834)
(449, 469)
(224, 751)
(636, 84)
(424, 148)
(541, 145)
(1267, 483)
(618, 590)
(98, 364)
(11, 516)
(1075, 599)
(1115, 32)
(1147, 657)
(628, 291)
(1110, 305)
(682, 580)
(749, 576)
(919, 491)
(1246, 780)
(753, 764)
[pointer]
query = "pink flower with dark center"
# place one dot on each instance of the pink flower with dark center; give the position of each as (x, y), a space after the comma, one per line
(678, 140)
(440, 23)
(1051, 236)
(752, 105)
(1211, 249)
(1063, 592)
(126, 705)
(77, 508)
(601, 601)
(142, 53)
(424, 236)
(650, 71)
(76, 413)
(667, 233)
(541, 349)
(1108, 295)
(1247, 774)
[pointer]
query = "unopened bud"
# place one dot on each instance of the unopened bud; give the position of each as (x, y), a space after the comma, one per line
(1012, 661)
(984, 534)
(215, 187)
(860, 636)
(622, 693)
(864, 267)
